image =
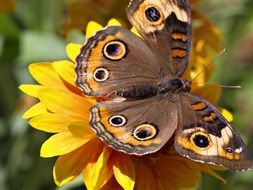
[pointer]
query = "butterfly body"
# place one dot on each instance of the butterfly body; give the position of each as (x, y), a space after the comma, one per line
(147, 103)
(147, 90)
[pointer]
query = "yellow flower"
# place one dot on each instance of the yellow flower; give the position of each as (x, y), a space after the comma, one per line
(7, 6)
(63, 110)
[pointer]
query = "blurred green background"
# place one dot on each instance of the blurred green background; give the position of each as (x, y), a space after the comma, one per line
(38, 30)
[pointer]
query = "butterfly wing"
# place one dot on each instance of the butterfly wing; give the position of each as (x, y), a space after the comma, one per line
(204, 135)
(166, 28)
(114, 58)
(135, 127)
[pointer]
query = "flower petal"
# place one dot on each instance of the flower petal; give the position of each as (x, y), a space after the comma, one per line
(92, 28)
(61, 143)
(51, 123)
(113, 22)
(207, 168)
(112, 185)
(65, 69)
(133, 30)
(81, 129)
(30, 89)
(98, 173)
(207, 32)
(65, 103)
(35, 110)
(210, 93)
(73, 50)
(45, 74)
(200, 69)
(227, 114)
(180, 170)
(145, 178)
(69, 166)
(124, 171)
(195, 166)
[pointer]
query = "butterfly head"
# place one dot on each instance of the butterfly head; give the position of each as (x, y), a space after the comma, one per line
(187, 85)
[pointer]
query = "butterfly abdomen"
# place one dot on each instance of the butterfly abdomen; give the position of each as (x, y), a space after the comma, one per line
(138, 91)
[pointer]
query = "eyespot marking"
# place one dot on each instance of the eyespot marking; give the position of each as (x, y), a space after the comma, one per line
(117, 121)
(229, 150)
(200, 139)
(154, 15)
(101, 74)
(145, 132)
(115, 50)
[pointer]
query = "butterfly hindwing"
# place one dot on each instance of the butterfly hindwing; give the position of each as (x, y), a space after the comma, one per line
(204, 135)
(135, 127)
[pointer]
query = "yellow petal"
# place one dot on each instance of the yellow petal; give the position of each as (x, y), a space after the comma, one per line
(124, 171)
(92, 28)
(31, 90)
(61, 143)
(73, 50)
(207, 32)
(112, 185)
(133, 30)
(227, 114)
(8, 6)
(92, 100)
(65, 103)
(66, 70)
(81, 129)
(51, 123)
(45, 74)
(210, 93)
(98, 173)
(145, 178)
(180, 170)
(207, 169)
(200, 69)
(69, 166)
(113, 22)
(195, 166)
(35, 110)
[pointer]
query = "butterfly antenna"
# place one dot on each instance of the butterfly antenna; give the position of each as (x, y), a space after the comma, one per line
(206, 67)
(209, 64)
(218, 85)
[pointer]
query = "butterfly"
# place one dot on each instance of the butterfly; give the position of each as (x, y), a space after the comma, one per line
(147, 102)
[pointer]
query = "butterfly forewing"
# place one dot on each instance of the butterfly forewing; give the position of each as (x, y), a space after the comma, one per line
(166, 27)
(115, 58)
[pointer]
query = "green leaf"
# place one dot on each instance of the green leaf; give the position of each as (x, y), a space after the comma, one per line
(8, 27)
(36, 46)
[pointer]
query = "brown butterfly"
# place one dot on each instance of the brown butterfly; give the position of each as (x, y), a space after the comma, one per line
(147, 102)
